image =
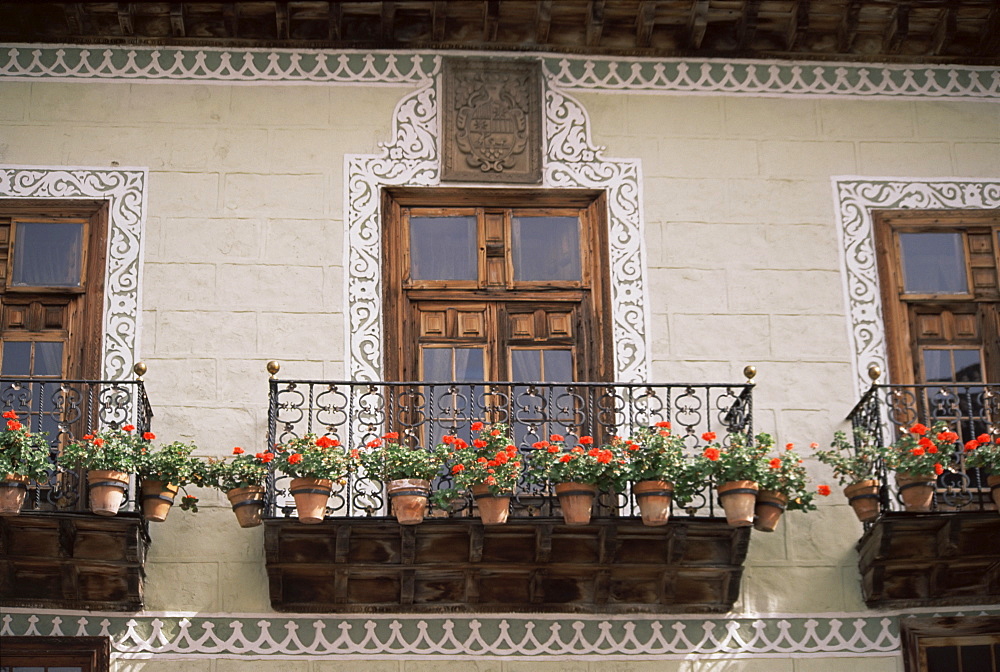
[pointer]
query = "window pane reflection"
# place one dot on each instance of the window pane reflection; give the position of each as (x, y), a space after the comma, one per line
(546, 248)
(933, 263)
(16, 358)
(443, 248)
(47, 254)
(446, 365)
(952, 366)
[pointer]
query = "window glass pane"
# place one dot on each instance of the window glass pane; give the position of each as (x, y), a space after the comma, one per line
(526, 365)
(546, 248)
(47, 254)
(443, 248)
(16, 358)
(967, 366)
(976, 658)
(437, 364)
(48, 359)
(558, 365)
(933, 263)
(942, 658)
(937, 366)
(469, 365)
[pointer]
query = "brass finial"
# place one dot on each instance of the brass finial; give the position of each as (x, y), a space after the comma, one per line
(749, 371)
(273, 367)
(140, 370)
(874, 372)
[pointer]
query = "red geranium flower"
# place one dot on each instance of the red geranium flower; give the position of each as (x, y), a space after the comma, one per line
(823, 490)
(557, 437)
(918, 429)
(149, 436)
(10, 414)
(477, 426)
(566, 458)
(708, 436)
(663, 425)
(586, 440)
(938, 469)
(712, 454)
(775, 463)
(390, 436)
(129, 428)
(294, 458)
(238, 451)
(457, 468)
(478, 443)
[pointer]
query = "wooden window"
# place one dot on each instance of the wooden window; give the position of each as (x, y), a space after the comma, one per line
(940, 294)
(496, 284)
(967, 644)
(52, 259)
(55, 654)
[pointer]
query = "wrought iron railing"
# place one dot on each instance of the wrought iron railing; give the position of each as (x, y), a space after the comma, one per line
(972, 409)
(66, 410)
(355, 412)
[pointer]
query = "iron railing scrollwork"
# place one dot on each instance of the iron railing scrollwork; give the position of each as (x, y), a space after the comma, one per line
(67, 410)
(973, 409)
(354, 412)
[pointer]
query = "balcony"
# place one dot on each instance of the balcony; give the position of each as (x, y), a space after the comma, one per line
(948, 555)
(56, 553)
(361, 560)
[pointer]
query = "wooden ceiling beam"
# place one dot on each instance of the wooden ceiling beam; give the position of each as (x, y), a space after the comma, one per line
(74, 17)
(231, 16)
(746, 26)
(177, 19)
(645, 19)
(334, 18)
(543, 21)
(697, 23)
(281, 19)
(491, 20)
(439, 18)
(798, 24)
(388, 20)
(897, 29)
(944, 31)
(595, 22)
(848, 29)
(126, 18)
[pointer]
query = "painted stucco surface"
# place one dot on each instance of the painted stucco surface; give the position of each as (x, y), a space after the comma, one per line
(244, 262)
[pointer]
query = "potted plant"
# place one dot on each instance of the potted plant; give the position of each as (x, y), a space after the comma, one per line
(241, 476)
(406, 471)
(163, 471)
(313, 463)
(783, 487)
(983, 452)
(855, 465)
(578, 472)
(109, 456)
(659, 471)
(916, 458)
(736, 470)
(489, 467)
(24, 457)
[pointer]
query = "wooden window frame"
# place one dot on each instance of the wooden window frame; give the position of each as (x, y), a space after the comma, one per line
(901, 345)
(916, 634)
(93, 654)
(82, 335)
(589, 204)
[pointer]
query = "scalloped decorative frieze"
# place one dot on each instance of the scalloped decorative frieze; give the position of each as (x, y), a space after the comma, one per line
(124, 189)
(570, 160)
(716, 76)
(172, 636)
(855, 198)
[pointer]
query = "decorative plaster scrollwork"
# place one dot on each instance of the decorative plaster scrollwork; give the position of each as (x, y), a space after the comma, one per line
(855, 198)
(124, 189)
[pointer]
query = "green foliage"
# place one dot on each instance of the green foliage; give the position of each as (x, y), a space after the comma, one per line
(852, 462)
(313, 457)
(387, 459)
(491, 459)
(787, 475)
(172, 463)
(921, 451)
(656, 454)
(741, 460)
(110, 449)
(241, 470)
(983, 452)
(21, 452)
(553, 461)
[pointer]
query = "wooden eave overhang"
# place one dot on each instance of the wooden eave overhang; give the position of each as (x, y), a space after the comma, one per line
(909, 31)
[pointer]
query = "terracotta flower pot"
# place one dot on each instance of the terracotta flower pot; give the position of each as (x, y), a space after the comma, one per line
(13, 488)
(653, 498)
(768, 509)
(576, 501)
(493, 509)
(409, 499)
(738, 499)
(107, 490)
(248, 504)
(311, 496)
(863, 498)
(994, 483)
(157, 498)
(916, 491)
